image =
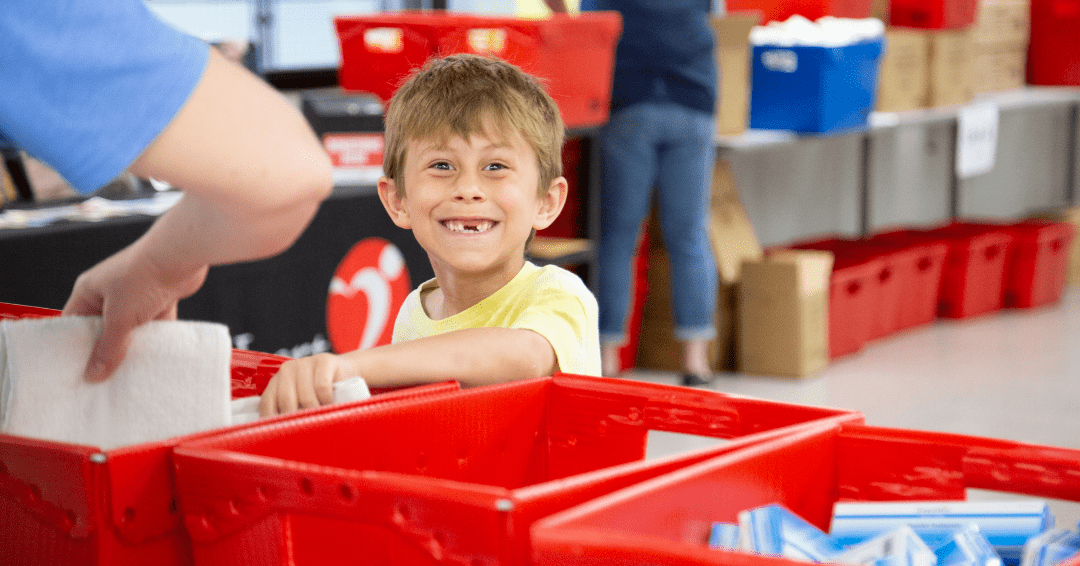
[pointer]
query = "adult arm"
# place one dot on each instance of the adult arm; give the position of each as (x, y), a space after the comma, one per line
(253, 175)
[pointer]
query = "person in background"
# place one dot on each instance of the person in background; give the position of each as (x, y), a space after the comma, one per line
(660, 135)
(473, 167)
(94, 89)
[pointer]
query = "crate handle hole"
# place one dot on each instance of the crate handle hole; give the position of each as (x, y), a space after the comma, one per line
(129, 515)
(925, 264)
(346, 492)
(307, 486)
(885, 275)
(33, 493)
(992, 252)
(70, 518)
(854, 287)
(3, 469)
(1056, 245)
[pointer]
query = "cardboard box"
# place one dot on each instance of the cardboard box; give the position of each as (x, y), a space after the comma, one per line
(784, 313)
(733, 58)
(998, 66)
(1072, 216)
(733, 240)
(950, 62)
(904, 70)
(1003, 21)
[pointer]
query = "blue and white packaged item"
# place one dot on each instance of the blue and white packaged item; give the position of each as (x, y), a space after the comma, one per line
(774, 530)
(967, 547)
(1007, 525)
(899, 547)
(759, 531)
(724, 536)
(1050, 547)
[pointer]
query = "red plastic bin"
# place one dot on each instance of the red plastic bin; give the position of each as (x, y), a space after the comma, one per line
(666, 520)
(1053, 52)
(780, 10)
(973, 279)
(1037, 263)
(73, 505)
(917, 265)
(573, 55)
(933, 14)
(855, 289)
(451, 480)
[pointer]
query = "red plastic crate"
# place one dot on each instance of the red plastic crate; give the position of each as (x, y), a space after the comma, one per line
(917, 265)
(1053, 52)
(451, 480)
(860, 278)
(573, 55)
(73, 505)
(666, 520)
(1037, 263)
(933, 14)
(973, 278)
(780, 10)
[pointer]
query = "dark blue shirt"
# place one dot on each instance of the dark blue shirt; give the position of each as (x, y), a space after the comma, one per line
(665, 53)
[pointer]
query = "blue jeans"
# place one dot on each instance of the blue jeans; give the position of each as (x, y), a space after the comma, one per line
(669, 147)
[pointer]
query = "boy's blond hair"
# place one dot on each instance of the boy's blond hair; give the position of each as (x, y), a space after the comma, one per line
(456, 96)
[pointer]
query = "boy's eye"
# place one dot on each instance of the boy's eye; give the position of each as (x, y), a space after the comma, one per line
(441, 165)
(494, 167)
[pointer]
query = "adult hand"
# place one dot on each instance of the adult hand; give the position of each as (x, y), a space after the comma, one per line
(127, 289)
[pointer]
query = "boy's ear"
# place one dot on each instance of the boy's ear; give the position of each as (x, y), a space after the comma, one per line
(393, 203)
(551, 204)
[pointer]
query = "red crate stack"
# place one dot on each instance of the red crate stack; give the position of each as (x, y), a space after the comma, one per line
(451, 480)
(1053, 51)
(666, 520)
(973, 279)
(1037, 264)
(574, 56)
(780, 10)
(917, 266)
(72, 505)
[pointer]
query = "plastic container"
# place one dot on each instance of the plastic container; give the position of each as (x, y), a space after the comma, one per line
(813, 89)
(666, 520)
(859, 279)
(917, 265)
(1037, 263)
(574, 56)
(73, 505)
(973, 279)
(781, 10)
(933, 14)
(451, 480)
(1053, 52)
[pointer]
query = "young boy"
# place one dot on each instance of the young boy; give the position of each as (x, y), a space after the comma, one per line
(473, 167)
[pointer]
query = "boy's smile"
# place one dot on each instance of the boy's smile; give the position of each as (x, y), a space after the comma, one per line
(471, 204)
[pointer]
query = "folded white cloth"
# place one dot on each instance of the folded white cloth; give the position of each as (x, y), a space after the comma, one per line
(246, 409)
(173, 381)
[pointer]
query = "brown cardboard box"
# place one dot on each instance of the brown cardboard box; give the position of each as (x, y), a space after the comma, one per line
(998, 66)
(949, 67)
(1003, 21)
(1072, 216)
(733, 58)
(904, 74)
(784, 313)
(733, 240)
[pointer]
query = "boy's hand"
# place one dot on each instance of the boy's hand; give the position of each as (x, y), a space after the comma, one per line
(304, 383)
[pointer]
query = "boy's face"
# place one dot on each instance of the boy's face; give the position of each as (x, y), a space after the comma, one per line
(472, 204)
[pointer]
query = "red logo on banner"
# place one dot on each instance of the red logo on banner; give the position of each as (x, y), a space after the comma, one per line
(367, 289)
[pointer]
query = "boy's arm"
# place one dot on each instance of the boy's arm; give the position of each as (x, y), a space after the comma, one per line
(471, 356)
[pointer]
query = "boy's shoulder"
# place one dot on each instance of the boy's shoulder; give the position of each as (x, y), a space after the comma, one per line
(555, 279)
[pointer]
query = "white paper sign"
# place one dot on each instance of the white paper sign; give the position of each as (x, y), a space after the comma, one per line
(976, 139)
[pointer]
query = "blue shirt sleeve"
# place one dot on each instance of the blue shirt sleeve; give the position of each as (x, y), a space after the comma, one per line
(87, 85)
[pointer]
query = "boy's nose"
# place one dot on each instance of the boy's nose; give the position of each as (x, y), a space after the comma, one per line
(468, 189)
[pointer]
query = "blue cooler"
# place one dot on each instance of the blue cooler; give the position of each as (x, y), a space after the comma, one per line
(814, 89)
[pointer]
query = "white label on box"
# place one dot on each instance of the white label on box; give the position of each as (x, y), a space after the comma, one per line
(782, 60)
(976, 139)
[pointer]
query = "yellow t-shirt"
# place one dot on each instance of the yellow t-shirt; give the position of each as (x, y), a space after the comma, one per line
(548, 300)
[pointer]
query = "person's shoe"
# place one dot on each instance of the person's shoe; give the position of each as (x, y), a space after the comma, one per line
(696, 379)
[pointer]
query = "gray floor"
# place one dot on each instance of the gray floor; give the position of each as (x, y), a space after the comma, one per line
(1012, 375)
